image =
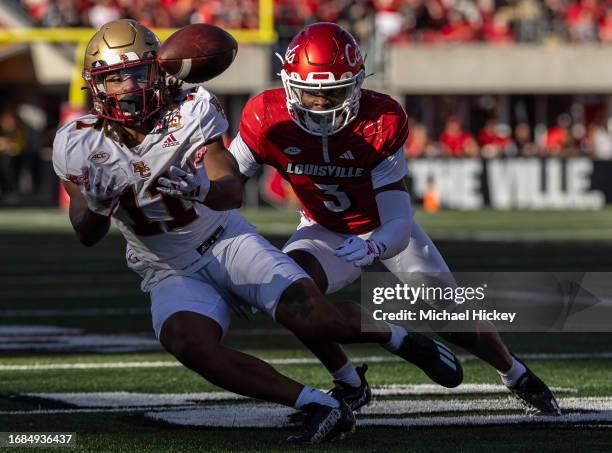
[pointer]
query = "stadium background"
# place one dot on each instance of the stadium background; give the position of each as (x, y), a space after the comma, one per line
(510, 148)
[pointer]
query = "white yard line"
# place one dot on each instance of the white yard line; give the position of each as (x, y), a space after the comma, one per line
(70, 312)
(264, 415)
(72, 411)
(484, 420)
(270, 416)
(26, 330)
(292, 361)
(89, 366)
(133, 399)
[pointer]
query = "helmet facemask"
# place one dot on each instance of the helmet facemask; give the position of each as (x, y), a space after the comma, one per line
(127, 106)
(343, 94)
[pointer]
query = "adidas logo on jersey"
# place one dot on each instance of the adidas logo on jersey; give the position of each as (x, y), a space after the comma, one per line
(347, 155)
(170, 141)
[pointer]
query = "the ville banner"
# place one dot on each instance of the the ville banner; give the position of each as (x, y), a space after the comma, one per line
(513, 183)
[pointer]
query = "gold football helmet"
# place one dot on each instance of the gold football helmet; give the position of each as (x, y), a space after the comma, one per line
(123, 51)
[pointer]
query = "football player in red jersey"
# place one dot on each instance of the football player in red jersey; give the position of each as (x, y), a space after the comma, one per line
(340, 148)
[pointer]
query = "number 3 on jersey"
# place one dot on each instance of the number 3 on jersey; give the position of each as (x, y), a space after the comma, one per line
(341, 202)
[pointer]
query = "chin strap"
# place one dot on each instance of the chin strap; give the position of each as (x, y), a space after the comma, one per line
(325, 141)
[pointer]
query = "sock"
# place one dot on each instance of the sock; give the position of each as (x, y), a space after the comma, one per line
(397, 336)
(310, 395)
(510, 377)
(347, 374)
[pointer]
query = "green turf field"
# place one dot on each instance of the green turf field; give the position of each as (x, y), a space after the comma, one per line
(48, 279)
(481, 225)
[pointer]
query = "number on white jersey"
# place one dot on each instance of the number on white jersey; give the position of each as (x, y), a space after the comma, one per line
(181, 216)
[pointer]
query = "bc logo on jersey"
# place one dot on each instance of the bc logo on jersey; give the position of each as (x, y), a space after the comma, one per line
(141, 168)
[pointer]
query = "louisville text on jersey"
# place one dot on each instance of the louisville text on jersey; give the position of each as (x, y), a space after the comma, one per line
(334, 171)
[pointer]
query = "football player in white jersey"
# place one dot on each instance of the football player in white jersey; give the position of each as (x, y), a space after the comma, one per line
(138, 158)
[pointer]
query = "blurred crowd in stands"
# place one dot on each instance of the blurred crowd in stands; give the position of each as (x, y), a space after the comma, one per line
(21, 156)
(563, 139)
(24, 157)
(12, 144)
(425, 21)
(152, 13)
(25, 136)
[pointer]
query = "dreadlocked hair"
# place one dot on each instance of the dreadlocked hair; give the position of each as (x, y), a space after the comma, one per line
(114, 130)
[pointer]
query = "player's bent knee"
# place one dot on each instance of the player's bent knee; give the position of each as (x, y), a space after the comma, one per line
(303, 309)
(189, 336)
(311, 266)
(297, 302)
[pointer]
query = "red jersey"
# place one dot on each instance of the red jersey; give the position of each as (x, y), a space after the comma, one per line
(333, 185)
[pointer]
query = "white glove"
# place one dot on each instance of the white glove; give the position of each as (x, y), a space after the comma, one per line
(360, 252)
(191, 184)
(100, 190)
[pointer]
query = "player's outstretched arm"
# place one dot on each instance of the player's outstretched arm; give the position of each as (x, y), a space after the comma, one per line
(391, 237)
(395, 213)
(225, 179)
(215, 183)
(89, 226)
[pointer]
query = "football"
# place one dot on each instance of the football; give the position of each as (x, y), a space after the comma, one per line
(197, 53)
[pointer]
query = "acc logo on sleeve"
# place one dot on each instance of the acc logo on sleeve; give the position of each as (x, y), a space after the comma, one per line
(98, 157)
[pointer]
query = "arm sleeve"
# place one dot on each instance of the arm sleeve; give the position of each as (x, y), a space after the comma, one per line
(248, 161)
(213, 121)
(203, 108)
(395, 230)
(60, 155)
(390, 170)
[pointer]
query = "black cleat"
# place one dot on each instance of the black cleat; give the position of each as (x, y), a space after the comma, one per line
(355, 397)
(435, 359)
(325, 424)
(534, 395)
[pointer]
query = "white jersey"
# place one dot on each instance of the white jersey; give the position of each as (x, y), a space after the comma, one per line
(164, 233)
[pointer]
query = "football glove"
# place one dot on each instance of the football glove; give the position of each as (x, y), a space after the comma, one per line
(100, 190)
(360, 252)
(191, 184)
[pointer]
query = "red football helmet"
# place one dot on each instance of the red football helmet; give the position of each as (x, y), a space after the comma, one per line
(323, 59)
